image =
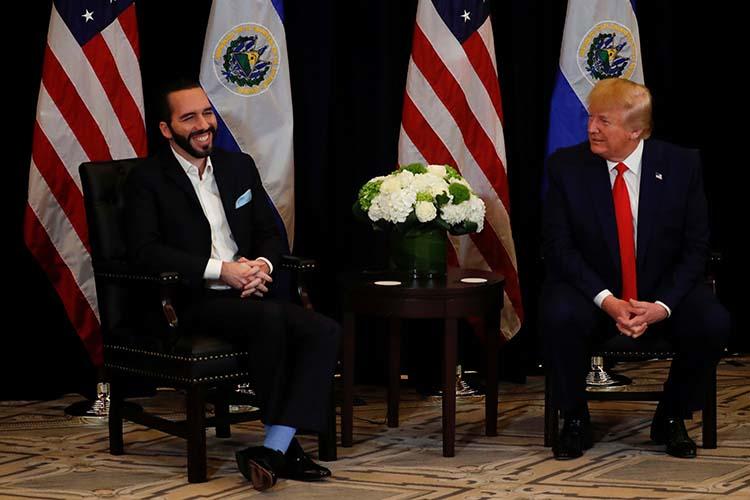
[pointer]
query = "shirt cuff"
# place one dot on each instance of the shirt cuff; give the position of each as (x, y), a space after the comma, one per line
(270, 266)
(599, 299)
(213, 270)
(665, 306)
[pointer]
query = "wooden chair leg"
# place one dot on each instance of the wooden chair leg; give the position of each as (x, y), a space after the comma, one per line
(550, 415)
(490, 401)
(221, 412)
(449, 387)
(394, 371)
(195, 406)
(709, 415)
(347, 376)
(327, 439)
(116, 446)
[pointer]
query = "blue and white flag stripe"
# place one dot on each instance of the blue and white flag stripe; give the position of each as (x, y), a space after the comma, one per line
(245, 72)
(584, 21)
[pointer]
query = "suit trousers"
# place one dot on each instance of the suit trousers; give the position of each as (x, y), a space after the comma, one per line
(698, 330)
(292, 353)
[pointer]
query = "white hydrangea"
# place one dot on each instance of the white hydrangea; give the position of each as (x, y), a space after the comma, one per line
(392, 206)
(454, 214)
(437, 170)
(405, 178)
(429, 183)
(426, 211)
(390, 184)
(475, 212)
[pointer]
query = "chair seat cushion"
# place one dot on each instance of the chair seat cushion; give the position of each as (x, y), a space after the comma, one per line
(188, 359)
(644, 347)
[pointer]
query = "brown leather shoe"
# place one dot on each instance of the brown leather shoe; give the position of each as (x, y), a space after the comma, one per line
(260, 465)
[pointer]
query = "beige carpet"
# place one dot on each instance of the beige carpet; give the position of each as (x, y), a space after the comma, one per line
(45, 455)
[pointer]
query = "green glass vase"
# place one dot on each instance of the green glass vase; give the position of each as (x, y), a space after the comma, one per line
(419, 253)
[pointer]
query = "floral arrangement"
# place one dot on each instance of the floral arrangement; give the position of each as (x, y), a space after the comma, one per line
(421, 197)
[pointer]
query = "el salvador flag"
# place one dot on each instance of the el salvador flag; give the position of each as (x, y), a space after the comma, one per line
(245, 72)
(600, 41)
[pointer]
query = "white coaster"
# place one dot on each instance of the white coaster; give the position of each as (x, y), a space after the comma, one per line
(388, 283)
(473, 280)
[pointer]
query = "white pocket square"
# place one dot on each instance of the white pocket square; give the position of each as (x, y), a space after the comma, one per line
(244, 199)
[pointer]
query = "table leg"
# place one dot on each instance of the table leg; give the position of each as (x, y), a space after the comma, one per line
(394, 370)
(490, 399)
(449, 387)
(347, 362)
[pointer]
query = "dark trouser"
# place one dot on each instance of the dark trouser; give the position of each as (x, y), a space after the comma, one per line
(698, 330)
(292, 353)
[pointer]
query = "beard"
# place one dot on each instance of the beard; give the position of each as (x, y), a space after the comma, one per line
(184, 141)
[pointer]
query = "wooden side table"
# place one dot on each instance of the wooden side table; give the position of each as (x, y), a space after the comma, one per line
(462, 293)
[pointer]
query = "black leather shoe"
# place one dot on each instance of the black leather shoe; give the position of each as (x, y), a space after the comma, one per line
(671, 432)
(573, 439)
(300, 466)
(260, 465)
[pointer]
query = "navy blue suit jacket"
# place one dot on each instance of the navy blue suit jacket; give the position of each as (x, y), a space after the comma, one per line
(165, 224)
(580, 242)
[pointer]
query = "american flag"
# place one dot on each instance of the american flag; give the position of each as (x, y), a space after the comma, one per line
(90, 108)
(453, 115)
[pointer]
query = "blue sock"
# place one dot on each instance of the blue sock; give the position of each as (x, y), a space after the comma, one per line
(278, 437)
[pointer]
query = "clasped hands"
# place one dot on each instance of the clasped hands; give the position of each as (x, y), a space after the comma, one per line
(633, 317)
(249, 276)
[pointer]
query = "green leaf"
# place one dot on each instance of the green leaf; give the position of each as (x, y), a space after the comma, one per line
(367, 193)
(451, 173)
(415, 168)
(460, 192)
(424, 196)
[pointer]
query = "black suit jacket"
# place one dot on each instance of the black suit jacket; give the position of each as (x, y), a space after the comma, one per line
(165, 224)
(580, 242)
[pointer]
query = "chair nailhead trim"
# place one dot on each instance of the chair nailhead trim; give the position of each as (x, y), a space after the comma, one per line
(300, 267)
(174, 357)
(138, 277)
(635, 353)
(213, 378)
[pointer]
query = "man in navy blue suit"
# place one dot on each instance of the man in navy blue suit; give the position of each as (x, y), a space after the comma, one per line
(625, 232)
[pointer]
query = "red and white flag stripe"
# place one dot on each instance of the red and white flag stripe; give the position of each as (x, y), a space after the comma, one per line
(90, 108)
(453, 115)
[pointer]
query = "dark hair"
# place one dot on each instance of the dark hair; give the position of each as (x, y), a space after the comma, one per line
(165, 112)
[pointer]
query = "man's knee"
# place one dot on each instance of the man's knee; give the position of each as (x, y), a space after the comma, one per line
(704, 324)
(329, 331)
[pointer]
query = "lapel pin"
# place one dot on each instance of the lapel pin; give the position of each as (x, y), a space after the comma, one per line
(658, 175)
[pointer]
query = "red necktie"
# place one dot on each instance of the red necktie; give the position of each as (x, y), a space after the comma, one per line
(625, 235)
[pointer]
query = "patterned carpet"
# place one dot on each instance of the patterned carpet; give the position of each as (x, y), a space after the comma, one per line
(46, 455)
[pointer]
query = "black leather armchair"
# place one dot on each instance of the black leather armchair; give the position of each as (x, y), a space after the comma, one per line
(141, 332)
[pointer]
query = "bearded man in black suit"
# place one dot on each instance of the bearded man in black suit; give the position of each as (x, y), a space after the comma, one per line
(204, 213)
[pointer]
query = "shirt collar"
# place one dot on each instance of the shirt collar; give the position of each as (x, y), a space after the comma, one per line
(633, 161)
(188, 167)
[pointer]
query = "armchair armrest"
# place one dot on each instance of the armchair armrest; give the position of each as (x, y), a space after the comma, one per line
(167, 282)
(300, 266)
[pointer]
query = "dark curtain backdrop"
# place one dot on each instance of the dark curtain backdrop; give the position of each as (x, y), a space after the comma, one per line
(348, 62)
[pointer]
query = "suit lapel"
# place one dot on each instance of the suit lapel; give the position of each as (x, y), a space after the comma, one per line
(600, 189)
(175, 172)
(650, 192)
(226, 182)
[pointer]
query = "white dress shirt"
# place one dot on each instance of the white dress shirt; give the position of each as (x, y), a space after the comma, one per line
(223, 246)
(632, 178)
